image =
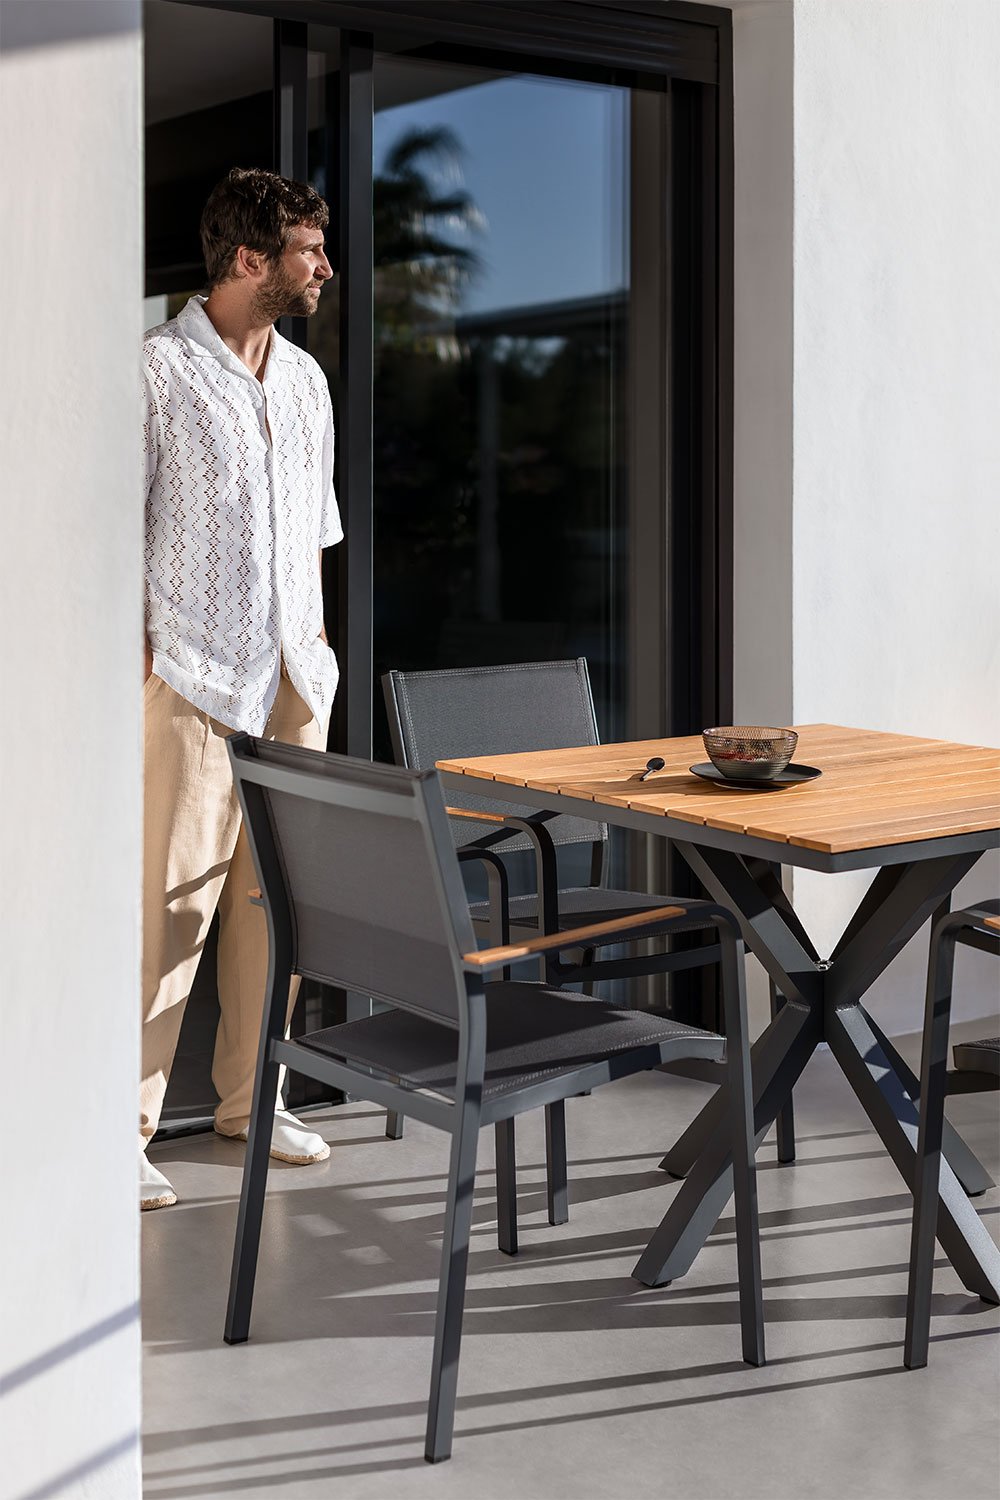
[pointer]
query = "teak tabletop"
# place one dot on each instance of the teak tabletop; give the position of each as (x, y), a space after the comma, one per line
(876, 789)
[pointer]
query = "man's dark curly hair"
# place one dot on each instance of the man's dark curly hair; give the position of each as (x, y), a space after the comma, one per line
(254, 208)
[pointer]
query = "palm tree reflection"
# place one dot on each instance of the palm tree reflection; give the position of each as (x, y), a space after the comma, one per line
(420, 273)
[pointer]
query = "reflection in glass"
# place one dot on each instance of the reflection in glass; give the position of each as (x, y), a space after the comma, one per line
(501, 278)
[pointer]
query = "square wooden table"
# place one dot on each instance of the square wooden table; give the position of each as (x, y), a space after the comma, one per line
(920, 812)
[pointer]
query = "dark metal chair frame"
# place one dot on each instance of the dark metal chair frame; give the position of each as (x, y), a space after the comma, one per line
(267, 776)
(504, 831)
(977, 1068)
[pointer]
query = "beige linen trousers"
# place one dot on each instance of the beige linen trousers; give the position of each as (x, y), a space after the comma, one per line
(197, 859)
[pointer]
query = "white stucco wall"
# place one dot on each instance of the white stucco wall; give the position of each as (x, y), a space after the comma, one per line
(896, 415)
(70, 754)
(867, 415)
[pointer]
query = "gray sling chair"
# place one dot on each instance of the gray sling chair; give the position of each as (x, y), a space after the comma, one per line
(503, 710)
(977, 1067)
(362, 888)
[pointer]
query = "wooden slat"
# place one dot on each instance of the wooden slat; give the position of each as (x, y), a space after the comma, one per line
(880, 809)
(871, 836)
(526, 764)
(777, 812)
(572, 765)
(789, 809)
(699, 795)
(781, 824)
(477, 817)
(575, 937)
(898, 765)
(993, 922)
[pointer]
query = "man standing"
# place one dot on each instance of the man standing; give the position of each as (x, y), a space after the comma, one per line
(239, 505)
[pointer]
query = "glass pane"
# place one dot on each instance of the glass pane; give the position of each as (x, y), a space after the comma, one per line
(501, 293)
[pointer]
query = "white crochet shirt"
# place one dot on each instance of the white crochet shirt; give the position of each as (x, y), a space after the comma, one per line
(235, 519)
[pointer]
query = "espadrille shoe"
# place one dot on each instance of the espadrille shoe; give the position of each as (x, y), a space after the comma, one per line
(154, 1189)
(291, 1141)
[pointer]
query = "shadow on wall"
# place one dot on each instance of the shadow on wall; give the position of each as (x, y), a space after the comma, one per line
(26, 24)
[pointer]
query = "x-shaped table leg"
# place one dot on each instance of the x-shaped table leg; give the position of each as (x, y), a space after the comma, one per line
(822, 1002)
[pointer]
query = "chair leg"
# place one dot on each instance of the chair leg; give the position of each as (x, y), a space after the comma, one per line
(251, 1211)
(555, 1162)
(506, 1187)
(786, 1115)
(451, 1293)
(927, 1169)
(744, 1148)
(393, 1125)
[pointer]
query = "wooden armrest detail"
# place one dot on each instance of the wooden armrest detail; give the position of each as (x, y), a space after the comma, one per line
(477, 817)
(255, 896)
(573, 937)
(993, 922)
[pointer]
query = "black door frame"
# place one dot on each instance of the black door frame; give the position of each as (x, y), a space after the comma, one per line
(682, 575)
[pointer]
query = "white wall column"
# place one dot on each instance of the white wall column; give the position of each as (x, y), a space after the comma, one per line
(896, 571)
(70, 754)
(867, 423)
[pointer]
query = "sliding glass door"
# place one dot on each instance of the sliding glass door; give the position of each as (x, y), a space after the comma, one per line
(500, 318)
(532, 465)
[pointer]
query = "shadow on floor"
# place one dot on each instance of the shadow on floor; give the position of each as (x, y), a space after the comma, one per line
(751, 1383)
(373, 1263)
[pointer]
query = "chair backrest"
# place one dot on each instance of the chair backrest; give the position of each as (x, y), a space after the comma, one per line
(358, 870)
(469, 711)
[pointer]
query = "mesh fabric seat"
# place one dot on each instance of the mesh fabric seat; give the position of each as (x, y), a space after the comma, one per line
(531, 1034)
(361, 887)
(977, 1068)
(982, 1056)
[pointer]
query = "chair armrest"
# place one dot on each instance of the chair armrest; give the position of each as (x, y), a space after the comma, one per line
(499, 890)
(477, 817)
(975, 926)
(618, 930)
(256, 899)
(507, 825)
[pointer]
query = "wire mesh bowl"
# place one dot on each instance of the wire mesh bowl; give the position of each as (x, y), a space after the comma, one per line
(748, 752)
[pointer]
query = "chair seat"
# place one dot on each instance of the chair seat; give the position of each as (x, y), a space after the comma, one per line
(978, 1057)
(578, 906)
(532, 1033)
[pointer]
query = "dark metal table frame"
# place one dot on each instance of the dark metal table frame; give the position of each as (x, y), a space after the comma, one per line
(822, 1002)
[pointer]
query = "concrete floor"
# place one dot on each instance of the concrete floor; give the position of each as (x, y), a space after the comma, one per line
(575, 1382)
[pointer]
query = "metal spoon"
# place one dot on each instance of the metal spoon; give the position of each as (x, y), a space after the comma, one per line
(656, 764)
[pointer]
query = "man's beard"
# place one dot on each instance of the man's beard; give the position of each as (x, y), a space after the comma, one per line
(281, 297)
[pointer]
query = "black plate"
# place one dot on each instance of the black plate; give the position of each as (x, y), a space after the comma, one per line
(792, 775)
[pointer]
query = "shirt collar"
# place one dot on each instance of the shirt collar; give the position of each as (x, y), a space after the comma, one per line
(203, 340)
